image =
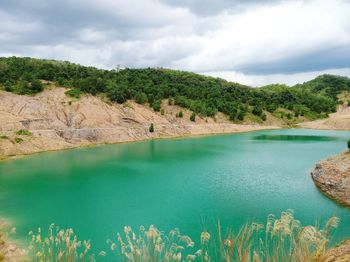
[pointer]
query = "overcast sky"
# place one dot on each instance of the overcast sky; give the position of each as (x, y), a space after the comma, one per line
(253, 42)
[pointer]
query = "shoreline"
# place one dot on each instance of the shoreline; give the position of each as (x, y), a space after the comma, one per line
(170, 137)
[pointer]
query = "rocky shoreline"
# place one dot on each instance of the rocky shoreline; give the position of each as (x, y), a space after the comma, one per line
(332, 177)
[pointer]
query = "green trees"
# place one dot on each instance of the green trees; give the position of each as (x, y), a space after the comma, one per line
(193, 117)
(202, 95)
(151, 128)
(141, 98)
(180, 114)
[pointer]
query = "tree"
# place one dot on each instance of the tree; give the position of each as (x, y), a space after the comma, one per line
(151, 128)
(141, 98)
(36, 86)
(193, 117)
(157, 105)
(8, 86)
(349, 144)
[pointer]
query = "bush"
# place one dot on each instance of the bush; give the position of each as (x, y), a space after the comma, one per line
(151, 128)
(74, 93)
(180, 114)
(18, 140)
(4, 137)
(162, 112)
(141, 98)
(23, 132)
(193, 117)
(157, 105)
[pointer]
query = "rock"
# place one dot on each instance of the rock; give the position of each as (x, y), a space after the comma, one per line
(332, 176)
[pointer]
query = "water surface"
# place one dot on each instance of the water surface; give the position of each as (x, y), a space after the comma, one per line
(185, 183)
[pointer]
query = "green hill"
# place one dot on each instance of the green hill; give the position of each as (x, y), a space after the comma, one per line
(201, 94)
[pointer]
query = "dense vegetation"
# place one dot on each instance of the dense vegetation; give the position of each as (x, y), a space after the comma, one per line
(201, 94)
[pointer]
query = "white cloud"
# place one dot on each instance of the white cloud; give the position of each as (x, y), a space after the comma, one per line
(275, 38)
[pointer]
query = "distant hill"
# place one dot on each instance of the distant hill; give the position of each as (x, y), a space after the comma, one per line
(202, 94)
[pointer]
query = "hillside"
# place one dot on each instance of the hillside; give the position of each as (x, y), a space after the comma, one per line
(51, 105)
(201, 94)
(51, 120)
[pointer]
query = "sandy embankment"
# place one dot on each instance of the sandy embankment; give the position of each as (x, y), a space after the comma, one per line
(336, 121)
(59, 122)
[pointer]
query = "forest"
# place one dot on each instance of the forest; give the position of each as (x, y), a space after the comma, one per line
(203, 95)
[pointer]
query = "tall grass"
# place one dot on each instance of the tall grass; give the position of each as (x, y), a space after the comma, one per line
(59, 245)
(279, 239)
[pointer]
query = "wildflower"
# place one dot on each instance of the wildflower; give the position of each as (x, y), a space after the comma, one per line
(190, 257)
(205, 237)
(227, 243)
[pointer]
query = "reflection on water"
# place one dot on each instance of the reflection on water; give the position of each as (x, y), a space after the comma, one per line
(302, 138)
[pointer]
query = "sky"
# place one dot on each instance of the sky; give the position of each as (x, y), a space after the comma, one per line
(252, 42)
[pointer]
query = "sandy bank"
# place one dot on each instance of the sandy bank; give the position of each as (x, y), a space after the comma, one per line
(336, 121)
(59, 122)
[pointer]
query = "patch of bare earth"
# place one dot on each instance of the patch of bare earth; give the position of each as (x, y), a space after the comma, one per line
(58, 122)
(336, 121)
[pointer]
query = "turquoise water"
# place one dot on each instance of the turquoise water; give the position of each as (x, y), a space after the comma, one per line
(185, 183)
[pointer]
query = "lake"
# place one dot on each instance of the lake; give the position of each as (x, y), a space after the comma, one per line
(188, 183)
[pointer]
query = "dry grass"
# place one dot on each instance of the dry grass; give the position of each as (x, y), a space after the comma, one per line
(281, 239)
(59, 245)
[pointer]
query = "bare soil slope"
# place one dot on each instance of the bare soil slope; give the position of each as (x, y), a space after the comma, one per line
(58, 122)
(336, 121)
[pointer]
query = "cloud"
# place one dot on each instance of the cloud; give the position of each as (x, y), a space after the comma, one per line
(245, 37)
(288, 79)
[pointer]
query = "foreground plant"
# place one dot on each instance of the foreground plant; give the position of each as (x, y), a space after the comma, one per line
(281, 239)
(58, 245)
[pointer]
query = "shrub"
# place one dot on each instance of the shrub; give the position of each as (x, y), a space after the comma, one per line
(180, 114)
(157, 105)
(4, 137)
(74, 93)
(193, 117)
(141, 98)
(151, 128)
(162, 112)
(18, 140)
(23, 132)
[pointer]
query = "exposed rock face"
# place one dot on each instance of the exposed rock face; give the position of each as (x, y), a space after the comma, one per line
(338, 254)
(332, 176)
(57, 122)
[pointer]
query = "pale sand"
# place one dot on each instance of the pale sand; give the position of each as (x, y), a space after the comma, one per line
(337, 121)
